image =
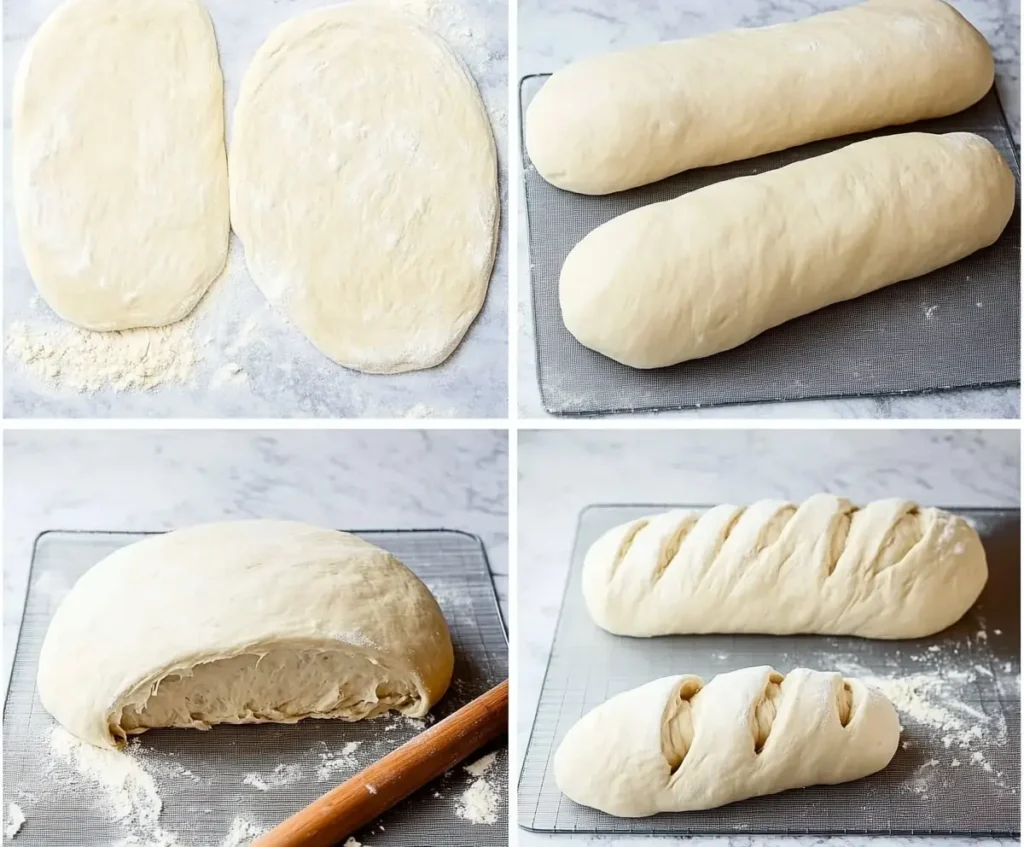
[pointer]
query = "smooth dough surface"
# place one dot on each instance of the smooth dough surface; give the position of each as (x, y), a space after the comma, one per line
(244, 622)
(890, 569)
(364, 186)
(624, 119)
(677, 745)
(710, 270)
(119, 169)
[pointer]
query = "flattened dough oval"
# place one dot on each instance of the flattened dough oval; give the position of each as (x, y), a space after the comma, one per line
(710, 270)
(627, 118)
(119, 168)
(243, 622)
(364, 187)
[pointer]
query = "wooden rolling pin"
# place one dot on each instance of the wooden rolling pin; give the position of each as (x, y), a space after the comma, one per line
(363, 798)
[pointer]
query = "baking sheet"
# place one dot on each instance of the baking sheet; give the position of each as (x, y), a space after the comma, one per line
(959, 700)
(958, 326)
(223, 786)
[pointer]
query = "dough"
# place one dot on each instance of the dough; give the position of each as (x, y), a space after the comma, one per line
(677, 745)
(890, 569)
(710, 270)
(243, 622)
(119, 171)
(624, 119)
(364, 187)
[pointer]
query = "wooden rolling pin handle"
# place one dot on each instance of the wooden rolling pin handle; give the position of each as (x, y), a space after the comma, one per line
(363, 798)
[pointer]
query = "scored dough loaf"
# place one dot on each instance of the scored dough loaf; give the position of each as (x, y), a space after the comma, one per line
(890, 569)
(710, 270)
(677, 745)
(242, 622)
(624, 119)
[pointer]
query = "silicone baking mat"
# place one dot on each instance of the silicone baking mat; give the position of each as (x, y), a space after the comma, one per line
(220, 788)
(957, 770)
(958, 326)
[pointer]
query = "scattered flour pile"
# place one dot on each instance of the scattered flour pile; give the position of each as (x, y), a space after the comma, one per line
(938, 700)
(281, 775)
(128, 792)
(15, 820)
(71, 359)
(333, 761)
(479, 803)
(241, 833)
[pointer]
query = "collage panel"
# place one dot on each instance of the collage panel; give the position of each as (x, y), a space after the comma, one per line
(330, 607)
(758, 210)
(719, 616)
(253, 597)
(357, 153)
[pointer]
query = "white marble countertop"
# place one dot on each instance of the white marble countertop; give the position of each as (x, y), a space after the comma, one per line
(553, 33)
(561, 472)
(155, 480)
(283, 374)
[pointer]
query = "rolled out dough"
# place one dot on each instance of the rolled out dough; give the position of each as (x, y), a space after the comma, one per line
(119, 170)
(623, 119)
(677, 745)
(244, 622)
(364, 186)
(710, 270)
(890, 569)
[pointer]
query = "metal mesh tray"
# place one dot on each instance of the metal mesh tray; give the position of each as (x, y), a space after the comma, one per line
(955, 327)
(63, 809)
(967, 676)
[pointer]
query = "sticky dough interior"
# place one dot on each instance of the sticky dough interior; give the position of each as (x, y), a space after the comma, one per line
(283, 683)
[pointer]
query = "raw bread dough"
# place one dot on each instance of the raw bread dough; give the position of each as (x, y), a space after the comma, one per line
(624, 119)
(364, 186)
(710, 270)
(119, 170)
(243, 622)
(890, 569)
(677, 745)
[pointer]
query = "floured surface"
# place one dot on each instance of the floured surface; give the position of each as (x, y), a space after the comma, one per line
(957, 694)
(279, 373)
(222, 787)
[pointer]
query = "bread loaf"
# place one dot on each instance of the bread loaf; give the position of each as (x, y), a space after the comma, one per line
(677, 745)
(890, 569)
(710, 270)
(623, 119)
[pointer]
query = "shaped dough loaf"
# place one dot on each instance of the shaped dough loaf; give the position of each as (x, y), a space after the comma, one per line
(677, 745)
(710, 270)
(243, 622)
(119, 170)
(624, 119)
(888, 570)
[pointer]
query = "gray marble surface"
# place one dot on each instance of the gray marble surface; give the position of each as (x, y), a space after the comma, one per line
(158, 480)
(553, 33)
(561, 472)
(284, 375)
